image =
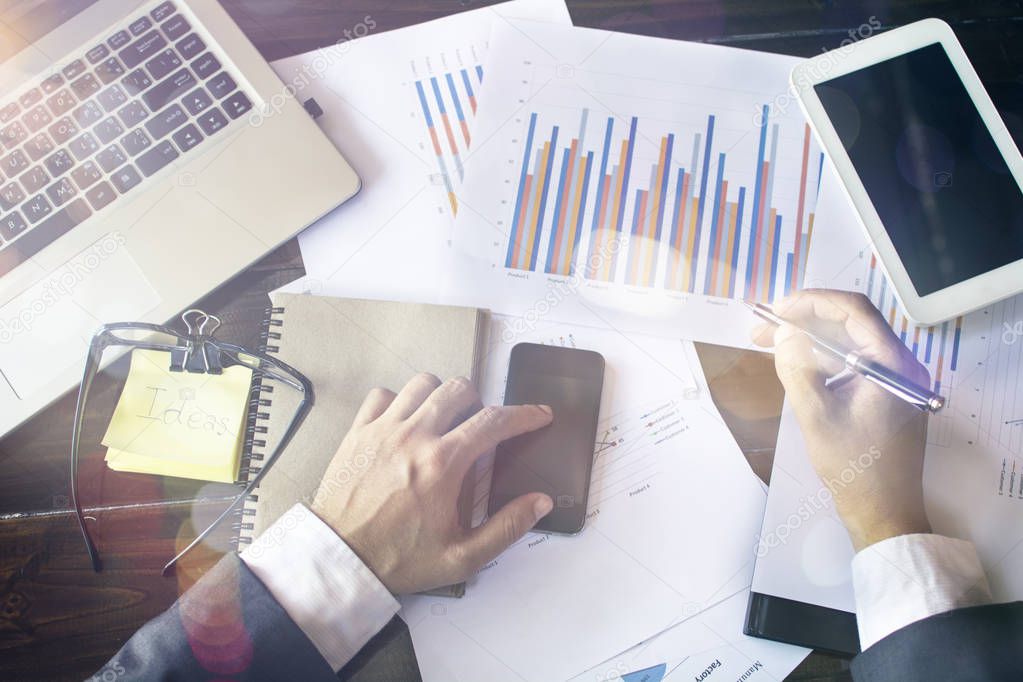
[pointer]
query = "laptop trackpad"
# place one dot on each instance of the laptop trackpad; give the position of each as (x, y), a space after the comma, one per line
(46, 330)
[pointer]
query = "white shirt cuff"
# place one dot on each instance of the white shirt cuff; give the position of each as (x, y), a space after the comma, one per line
(904, 579)
(323, 586)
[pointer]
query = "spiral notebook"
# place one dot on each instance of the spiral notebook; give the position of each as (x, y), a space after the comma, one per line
(345, 347)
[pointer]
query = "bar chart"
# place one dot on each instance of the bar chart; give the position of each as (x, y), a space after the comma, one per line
(686, 222)
(446, 92)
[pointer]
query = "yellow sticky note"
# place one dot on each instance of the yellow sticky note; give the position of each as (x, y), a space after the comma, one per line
(177, 423)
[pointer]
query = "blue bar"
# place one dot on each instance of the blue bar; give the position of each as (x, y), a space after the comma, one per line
(703, 201)
(557, 210)
(753, 234)
(479, 74)
(735, 246)
(679, 200)
(774, 257)
(468, 85)
(600, 190)
(788, 274)
(955, 348)
(521, 192)
(820, 170)
(582, 210)
(625, 192)
(664, 187)
(902, 337)
(930, 340)
(454, 97)
(711, 265)
(436, 94)
(916, 344)
(543, 198)
(422, 103)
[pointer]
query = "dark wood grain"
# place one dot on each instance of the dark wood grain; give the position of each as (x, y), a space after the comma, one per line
(58, 620)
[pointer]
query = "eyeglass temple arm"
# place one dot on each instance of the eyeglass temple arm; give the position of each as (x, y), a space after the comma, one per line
(99, 342)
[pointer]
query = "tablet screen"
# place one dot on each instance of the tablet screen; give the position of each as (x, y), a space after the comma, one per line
(932, 170)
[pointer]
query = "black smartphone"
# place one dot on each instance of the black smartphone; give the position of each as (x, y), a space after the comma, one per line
(558, 459)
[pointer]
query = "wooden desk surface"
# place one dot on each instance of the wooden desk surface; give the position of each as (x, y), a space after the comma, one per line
(58, 620)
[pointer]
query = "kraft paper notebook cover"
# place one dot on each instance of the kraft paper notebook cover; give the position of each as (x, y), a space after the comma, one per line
(346, 347)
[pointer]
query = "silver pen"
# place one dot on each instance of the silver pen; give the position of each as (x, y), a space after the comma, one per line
(888, 379)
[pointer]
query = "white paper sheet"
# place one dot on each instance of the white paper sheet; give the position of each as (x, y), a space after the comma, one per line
(672, 517)
(973, 474)
(624, 176)
(710, 646)
(379, 95)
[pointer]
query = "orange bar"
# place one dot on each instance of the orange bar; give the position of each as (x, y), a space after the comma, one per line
(521, 222)
(715, 259)
(597, 255)
(650, 264)
(767, 255)
(560, 227)
(465, 132)
(534, 228)
(606, 264)
(451, 135)
(729, 246)
(688, 265)
(676, 245)
(755, 232)
(799, 209)
(566, 258)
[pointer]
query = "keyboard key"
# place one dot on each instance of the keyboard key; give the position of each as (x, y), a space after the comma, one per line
(196, 101)
(10, 196)
(156, 158)
(11, 225)
(59, 163)
(166, 121)
(83, 146)
(212, 120)
(86, 175)
(109, 71)
(36, 208)
(163, 63)
(140, 26)
(100, 195)
(118, 40)
(86, 86)
(142, 49)
(63, 130)
(125, 178)
(186, 138)
(136, 142)
(237, 104)
(221, 85)
(205, 66)
(61, 192)
(175, 27)
(8, 112)
(14, 163)
(62, 102)
(190, 46)
(108, 130)
(74, 69)
(39, 146)
(110, 158)
(34, 179)
(37, 118)
(52, 83)
(136, 81)
(169, 90)
(112, 98)
(55, 226)
(13, 135)
(30, 97)
(97, 54)
(133, 114)
(162, 11)
(87, 114)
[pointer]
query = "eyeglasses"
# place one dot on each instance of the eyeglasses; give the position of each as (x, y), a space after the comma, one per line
(195, 351)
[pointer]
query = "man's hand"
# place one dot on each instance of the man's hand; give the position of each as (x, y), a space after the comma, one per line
(866, 444)
(391, 491)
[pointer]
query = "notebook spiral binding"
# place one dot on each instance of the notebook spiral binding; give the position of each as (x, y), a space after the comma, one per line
(252, 448)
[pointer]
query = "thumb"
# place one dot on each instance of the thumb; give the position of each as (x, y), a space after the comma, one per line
(510, 523)
(799, 371)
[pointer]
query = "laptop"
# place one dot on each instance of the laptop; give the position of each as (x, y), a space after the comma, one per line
(147, 154)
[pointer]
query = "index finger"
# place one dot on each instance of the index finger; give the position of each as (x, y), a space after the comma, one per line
(492, 425)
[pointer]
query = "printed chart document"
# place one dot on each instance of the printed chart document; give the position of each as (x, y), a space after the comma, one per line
(400, 106)
(973, 472)
(710, 646)
(552, 606)
(644, 184)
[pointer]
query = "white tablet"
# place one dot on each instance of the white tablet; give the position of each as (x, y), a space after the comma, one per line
(928, 163)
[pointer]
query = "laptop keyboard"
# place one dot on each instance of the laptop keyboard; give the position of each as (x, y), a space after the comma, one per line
(91, 132)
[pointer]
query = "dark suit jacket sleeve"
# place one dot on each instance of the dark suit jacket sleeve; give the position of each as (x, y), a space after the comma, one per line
(982, 643)
(226, 626)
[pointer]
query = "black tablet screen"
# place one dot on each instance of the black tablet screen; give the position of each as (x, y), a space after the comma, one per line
(930, 166)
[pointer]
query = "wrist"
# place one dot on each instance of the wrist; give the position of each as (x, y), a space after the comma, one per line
(866, 532)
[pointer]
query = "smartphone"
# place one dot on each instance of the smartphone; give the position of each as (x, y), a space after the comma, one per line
(558, 459)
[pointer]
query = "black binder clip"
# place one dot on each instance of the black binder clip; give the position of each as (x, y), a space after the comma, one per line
(201, 355)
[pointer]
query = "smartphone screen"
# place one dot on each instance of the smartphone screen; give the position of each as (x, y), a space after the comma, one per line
(558, 459)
